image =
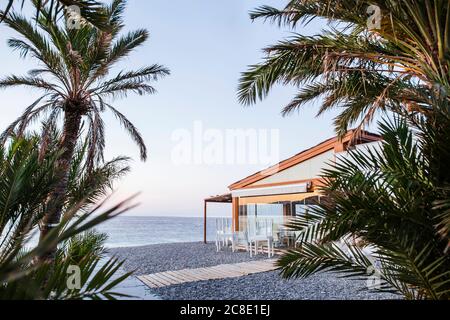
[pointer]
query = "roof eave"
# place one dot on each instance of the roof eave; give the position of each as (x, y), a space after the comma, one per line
(305, 155)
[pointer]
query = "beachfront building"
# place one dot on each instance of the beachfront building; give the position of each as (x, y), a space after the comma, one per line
(287, 189)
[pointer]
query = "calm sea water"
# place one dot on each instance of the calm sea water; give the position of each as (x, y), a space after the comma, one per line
(139, 231)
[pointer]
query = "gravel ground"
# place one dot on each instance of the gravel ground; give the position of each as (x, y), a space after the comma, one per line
(177, 256)
(262, 286)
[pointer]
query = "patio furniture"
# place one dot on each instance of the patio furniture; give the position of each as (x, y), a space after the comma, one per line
(287, 236)
(225, 234)
(259, 231)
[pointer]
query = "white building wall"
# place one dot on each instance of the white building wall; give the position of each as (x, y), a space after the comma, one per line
(306, 170)
(364, 148)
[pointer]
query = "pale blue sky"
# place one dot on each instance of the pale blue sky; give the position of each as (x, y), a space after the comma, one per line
(206, 44)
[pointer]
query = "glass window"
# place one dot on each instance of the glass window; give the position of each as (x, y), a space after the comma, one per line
(301, 208)
(269, 210)
(252, 210)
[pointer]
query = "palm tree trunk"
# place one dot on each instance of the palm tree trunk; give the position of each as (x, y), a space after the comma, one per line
(55, 204)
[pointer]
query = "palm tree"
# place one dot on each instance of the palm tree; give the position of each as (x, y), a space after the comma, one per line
(84, 186)
(355, 65)
(387, 216)
(74, 77)
(27, 178)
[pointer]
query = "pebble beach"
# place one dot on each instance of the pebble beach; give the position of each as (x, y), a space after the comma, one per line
(262, 286)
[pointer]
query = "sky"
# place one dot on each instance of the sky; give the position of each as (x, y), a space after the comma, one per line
(206, 44)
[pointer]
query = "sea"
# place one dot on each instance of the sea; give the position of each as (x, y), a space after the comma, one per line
(133, 231)
(128, 231)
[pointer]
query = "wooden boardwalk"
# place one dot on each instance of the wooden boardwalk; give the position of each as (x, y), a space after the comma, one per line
(168, 278)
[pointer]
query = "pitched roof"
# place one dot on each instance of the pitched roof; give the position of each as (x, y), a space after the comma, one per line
(329, 144)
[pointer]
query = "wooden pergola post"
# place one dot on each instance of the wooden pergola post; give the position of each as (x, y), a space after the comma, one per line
(204, 221)
(235, 214)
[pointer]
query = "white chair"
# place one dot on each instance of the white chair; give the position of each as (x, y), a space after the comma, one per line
(225, 234)
(260, 230)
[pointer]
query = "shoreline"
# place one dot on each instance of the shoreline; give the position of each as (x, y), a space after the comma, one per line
(262, 286)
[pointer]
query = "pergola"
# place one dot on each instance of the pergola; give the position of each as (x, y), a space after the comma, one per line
(225, 198)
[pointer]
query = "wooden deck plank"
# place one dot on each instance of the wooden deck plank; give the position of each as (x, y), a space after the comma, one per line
(231, 268)
(261, 267)
(150, 282)
(168, 278)
(144, 281)
(227, 271)
(180, 276)
(213, 271)
(157, 284)
(173, 276)
(199, 274)
(160, 278)
(189, 276)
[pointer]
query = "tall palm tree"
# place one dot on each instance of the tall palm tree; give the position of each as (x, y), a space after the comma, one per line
(363, 63)
(74, 76)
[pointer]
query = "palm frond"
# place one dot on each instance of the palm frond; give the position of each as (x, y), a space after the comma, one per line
(385, 198)
(132, 130)
(409, 48)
